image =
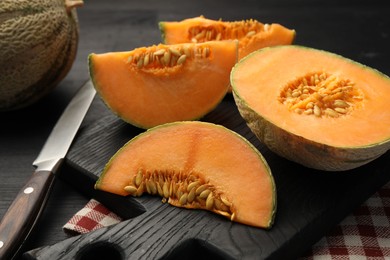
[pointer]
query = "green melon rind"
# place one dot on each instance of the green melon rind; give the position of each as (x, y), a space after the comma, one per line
(299, 149)
(161, 26)
(254, 149)
(129, 120)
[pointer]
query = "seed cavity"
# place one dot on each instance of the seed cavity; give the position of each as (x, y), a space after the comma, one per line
(180, 189)
(226, 31)
(164, 56)
(321, 95)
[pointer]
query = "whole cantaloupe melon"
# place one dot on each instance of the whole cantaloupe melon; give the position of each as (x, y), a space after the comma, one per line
(38, 43)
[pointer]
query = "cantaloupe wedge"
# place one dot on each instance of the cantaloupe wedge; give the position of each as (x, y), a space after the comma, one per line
(196, 165)
(251, 34)
(159, 84)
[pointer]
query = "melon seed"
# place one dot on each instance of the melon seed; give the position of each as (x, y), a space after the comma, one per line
(159, 189)
(179, 193)
(200, 35)
(200, 189)
(165, 190)
(175, 52)
(210, 201)
(330, 112)
(317, 111)
(138, 178)
(209, 35)
(146, 60)
(192, 185)
(308, 111)
(140, 190)
(226, 202)
(219, 205)
(159, 52)
(295, 93)
(181, 59)
(204, 194)
(130, 189)
(183, 199)
(191, 195)
(140, 63)
(340, 103)
(340, 110)
(148, 187)
(167, 57)
(225, 214)
(250, 33)
(310, 105)
(171, 185)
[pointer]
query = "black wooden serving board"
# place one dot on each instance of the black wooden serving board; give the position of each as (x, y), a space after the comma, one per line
(309, 202)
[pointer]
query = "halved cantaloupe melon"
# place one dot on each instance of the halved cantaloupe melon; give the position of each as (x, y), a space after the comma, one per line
(196, 165)
(314, 107)
(164, 83)
(252, 34)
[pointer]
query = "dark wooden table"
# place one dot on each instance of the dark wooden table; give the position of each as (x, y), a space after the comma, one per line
(359, 30)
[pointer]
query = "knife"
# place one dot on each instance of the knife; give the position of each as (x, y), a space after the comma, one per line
(28, 205)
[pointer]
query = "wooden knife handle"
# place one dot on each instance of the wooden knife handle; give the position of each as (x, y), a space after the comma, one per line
(21, 216)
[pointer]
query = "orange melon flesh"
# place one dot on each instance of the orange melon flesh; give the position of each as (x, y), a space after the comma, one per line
(252, 35)
(156, 93)
(220, 157)
(259, 78)
(313, 107)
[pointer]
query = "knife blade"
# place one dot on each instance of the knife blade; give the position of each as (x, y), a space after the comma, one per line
(22, 215)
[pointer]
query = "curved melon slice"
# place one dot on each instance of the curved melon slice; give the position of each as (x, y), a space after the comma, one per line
(314, 107)
(252, 34)
(196, 165)
(159, 84)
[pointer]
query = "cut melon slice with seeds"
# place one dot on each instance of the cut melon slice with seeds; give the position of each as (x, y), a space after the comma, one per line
(159, 84)
(196, 165)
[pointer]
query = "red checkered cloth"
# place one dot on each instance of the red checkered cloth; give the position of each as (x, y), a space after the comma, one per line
(93, 216)
(364, 234)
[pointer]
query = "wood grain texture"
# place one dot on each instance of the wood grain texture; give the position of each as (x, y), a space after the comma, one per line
(309, 202)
